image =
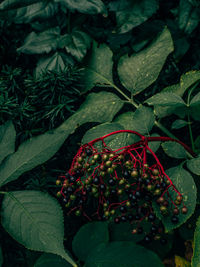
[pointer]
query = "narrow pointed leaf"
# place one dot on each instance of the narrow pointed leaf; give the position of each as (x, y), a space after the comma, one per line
(140, 70)
(35, 220)
(100, 107)
(7, 140)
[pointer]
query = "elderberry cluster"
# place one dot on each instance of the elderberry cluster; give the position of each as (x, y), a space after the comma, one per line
(119, 185)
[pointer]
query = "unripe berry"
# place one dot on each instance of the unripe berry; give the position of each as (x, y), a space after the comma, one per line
(58, 182)
(134, 174)
(77, 213)
(58, 194)
(105, 157)
(110, 170)
(184, 210)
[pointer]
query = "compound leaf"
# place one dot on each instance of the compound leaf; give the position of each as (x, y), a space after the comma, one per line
(196, 249)
(140, 70)
(12, 4)
(35, 220)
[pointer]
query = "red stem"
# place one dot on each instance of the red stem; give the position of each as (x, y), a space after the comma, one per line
(148, 139)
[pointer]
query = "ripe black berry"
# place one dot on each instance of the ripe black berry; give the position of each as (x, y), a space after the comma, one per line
(96, 181)
(102, 187)
(111, 182)
(72, 179)
(123, 218)
(126, 174)
(137, 195)
(130, 217)
(174, 219)
(147, 239)
(88, 152)
(123, 209)
(151, 217)
(140, 230)
(154, 229)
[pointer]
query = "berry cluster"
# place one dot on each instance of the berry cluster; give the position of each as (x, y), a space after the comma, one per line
(120, 185)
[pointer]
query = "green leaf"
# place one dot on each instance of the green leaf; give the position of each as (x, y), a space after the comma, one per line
(42, 42)
(166, 99)
(12, 4)
(142, 120)
(84, 6)
(51, 260)
(121, 254)
(140, 70)
(174, 150)
(7, 140)
(188, 18)
(186, 186)
(95, 233)
(186, 81)
(130, 14)
(35, 220)
(114, 141)
(38, 11)
(100, 107)
(196, 255)
(76, 44)
(195, 107)
(56, 62)
(177, 124)
(1, 257)
(194, 165)
(99, 67)
(154, 146)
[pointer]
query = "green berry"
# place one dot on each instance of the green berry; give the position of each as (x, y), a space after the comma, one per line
(77, 213)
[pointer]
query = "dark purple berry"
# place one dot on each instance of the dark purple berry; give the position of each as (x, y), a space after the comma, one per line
(154, 228)
(96, 181)
(130, 217)
(140, 230)
(147, 239)
(151, 217)
(123, 209)
(117, 220)
(174, 219)
(102, 187)
(163, 241)
(111, 182)
(123, 218)
(72, 179)
(88, 152)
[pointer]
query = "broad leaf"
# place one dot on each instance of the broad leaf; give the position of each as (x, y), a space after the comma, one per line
(186, 186)
(195, 107)
(121, 254)
(167, 103)
(194, 165)
(186, 81)
(100, 107)
(12, 4)
(196, 249)
(95, 233)
(84, 6)
(142, 120)
(56, 62)
(76, 44)
(7, 140)
(51, 260)
(42, 42)
(114, 141)
(38, 11)
(1, 257)
(166, 99)
(35, 220)
(177, 124)
(154, 146)
(99, 67)
(130, 14)
(188, 18)
(174, 150)
(140, 70)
